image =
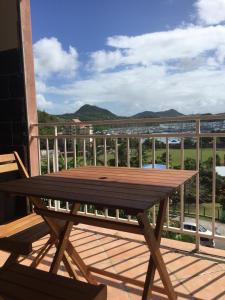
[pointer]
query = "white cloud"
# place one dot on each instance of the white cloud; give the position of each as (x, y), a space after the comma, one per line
(101, 60)
(41, 86)
(43, 104)
(159, 47)
(51, 59)
(210, 11)
(131, 91)
(183, 68)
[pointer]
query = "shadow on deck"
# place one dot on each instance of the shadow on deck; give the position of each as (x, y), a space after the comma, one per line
(194, 276)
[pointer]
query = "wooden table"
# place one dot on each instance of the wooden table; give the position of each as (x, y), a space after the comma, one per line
(132, 189)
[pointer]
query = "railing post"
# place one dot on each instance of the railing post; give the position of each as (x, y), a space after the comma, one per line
(128, 152)
(56, 150)
(39, 154)
(105, 153)
(168, 166)
(94, 152)
(214, 187)
(198, 131)
(75, 152)
(47, 156)
(116, 152)
(65, 154)
(84, 152)
(140, 152)
(182, 188)
(153, 152)
(153, 166)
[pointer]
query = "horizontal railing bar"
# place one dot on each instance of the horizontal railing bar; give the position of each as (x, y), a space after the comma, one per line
(165, 228)
(155, 135)
(193, 233)
(138, 121)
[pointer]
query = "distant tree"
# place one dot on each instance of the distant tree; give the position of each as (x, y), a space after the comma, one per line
(190, 164)
(162, 158)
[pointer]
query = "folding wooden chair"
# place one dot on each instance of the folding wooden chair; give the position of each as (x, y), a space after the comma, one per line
(17, 237)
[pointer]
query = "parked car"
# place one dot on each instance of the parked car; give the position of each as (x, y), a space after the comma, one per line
(204, 241)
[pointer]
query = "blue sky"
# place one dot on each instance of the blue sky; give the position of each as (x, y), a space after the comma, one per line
(129, 55)
(86, 24)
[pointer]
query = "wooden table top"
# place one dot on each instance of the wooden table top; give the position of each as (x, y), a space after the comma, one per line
(131, 189)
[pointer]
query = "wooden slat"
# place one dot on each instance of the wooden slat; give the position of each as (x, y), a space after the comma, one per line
(96, 185)
(125, 170)
(7, 158)
(126, 176)
(18, 236)
(19, 225)
(129, 189)
(71, 189)
(8, 167)
(20, 282)
(21, 242)
(140, 173)
(108, 185)
(102, 200)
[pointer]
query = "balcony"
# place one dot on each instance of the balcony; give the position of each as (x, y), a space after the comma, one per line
(183, 143)
(197, 272)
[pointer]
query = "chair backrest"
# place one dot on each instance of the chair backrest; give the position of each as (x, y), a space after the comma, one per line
(11, 164)
(11, 168)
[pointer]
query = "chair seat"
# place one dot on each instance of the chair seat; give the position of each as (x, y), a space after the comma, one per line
(18, 282)
(19, 235)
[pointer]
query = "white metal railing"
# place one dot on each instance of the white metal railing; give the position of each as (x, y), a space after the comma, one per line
(72, 150)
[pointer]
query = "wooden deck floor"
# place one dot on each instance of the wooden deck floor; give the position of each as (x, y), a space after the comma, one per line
(194, 276)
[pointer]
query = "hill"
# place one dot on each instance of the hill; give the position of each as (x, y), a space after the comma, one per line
(90, 113)
(44, 117)
(160, 114)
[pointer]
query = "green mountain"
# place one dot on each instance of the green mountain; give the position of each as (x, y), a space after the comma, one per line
(160, 114)
(93, 113)
(90, 113)
(44, 117)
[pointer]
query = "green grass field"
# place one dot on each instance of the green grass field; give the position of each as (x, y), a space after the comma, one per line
(175, 155)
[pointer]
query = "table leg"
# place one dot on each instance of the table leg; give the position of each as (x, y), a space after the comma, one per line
(42, 252)
(57, 232)
(153, 238)
(63, 241)
(69, 266)
(77, 260)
